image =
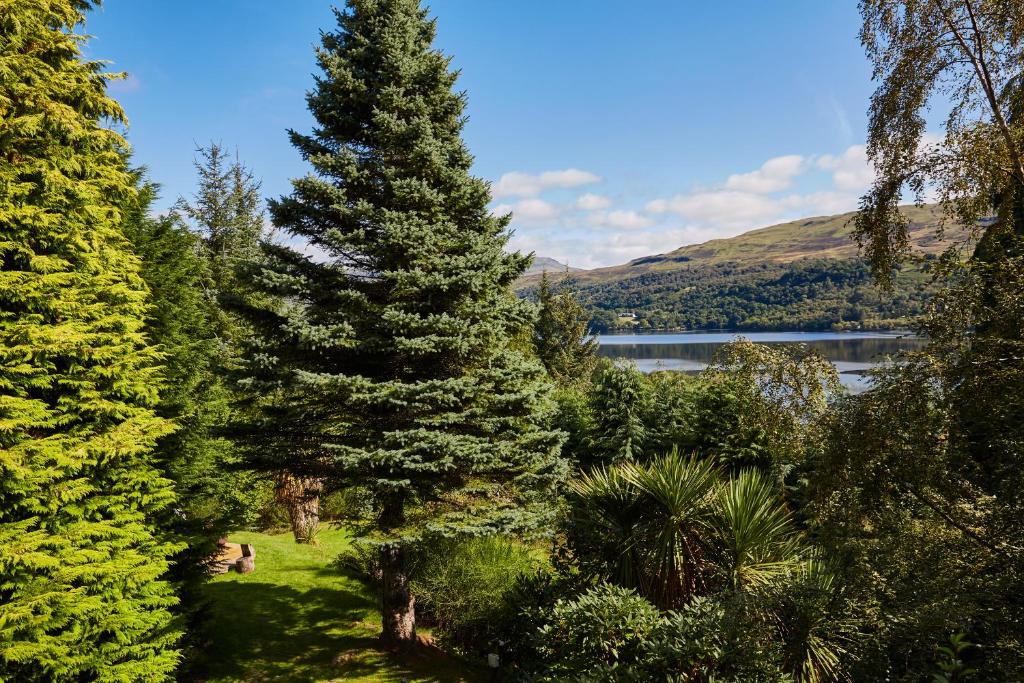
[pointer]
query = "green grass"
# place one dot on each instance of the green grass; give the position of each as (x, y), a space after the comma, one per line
(298, 618)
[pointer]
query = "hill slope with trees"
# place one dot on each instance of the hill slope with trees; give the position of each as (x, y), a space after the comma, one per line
(805, 274)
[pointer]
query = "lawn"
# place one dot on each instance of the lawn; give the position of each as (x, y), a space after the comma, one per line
(298, 618)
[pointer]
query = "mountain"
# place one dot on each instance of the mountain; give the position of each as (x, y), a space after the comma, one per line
(543, 264)
(804, 274)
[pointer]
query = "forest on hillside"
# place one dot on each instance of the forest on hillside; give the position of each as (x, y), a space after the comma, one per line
(429, 477)
(813, 294)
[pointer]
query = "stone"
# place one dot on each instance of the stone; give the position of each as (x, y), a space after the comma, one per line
(245, 564)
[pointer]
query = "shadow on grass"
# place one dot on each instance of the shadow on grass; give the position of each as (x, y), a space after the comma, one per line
(272, 632)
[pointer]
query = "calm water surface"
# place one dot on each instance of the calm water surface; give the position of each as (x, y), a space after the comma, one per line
(851, 352)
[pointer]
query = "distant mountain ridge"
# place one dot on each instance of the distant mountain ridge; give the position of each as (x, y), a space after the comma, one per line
(542, 264)
(817, 237)
(803, 274)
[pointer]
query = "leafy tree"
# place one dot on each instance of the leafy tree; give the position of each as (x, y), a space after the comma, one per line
(82, 593)
(969, 53)
(919, 490)
(781, 395)
(397, 360)
(562, 336)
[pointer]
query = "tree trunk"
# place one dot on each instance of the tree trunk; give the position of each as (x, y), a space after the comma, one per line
(301, 498)
(398, 604)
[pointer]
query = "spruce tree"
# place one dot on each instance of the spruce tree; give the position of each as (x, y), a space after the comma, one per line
(399, 359)
(226, 211)
(562, 335)
(81, 593)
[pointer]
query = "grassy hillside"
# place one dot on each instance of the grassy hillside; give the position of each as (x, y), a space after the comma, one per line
(805, 274)
(300, 618)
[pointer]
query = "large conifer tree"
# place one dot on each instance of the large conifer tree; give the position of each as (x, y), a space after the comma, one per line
(398, 361)
(81, 594)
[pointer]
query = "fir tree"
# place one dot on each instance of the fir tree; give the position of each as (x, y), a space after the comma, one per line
(81, 593)
(621, 405)
(397, 361)
(226, 211)
(562, 335)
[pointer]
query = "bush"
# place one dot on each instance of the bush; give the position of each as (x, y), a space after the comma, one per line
(599, 636)
(461, 586)
(527, 608)
(609, 633)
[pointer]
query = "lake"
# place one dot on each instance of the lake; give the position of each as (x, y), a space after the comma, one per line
(850, 352)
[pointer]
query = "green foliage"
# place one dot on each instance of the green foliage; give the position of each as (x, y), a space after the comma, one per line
(781, 396)
(620, 406)
(951, 664)
(462, 586)
(925, 549)
(609, 633)
(810, 294)
(226, 211)
(598, 636)
(181, 324)
(562, 336)
(676, 532)
(672, 529)
(394, 362)
(966, 55)
(81, 563)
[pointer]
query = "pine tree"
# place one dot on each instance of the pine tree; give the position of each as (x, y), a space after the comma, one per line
(398, 359)
(562, 335)
(81, 593)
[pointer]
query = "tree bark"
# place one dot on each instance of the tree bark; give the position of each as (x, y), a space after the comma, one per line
(301, 498)
(398, 604)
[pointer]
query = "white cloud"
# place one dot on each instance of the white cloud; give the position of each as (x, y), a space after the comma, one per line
(580, 251)
(725, 208)
(516, 184)
(592, 202)
(587, 233)
(528, 210)
(774, 175)
(627, 220)
(851, 171)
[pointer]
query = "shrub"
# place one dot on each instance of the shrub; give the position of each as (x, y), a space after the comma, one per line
(599, 636)
(461, 586)
(610, 633)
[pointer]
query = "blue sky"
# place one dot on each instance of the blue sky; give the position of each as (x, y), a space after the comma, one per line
(611, 130)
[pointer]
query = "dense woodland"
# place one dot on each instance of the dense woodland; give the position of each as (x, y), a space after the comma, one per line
(167, 380)
(814, 294)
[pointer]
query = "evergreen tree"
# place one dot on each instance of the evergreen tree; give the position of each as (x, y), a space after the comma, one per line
(226, 211)
(182, 323)
(562, 336)
(397, 360)
(81, 593)
(621, 406)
